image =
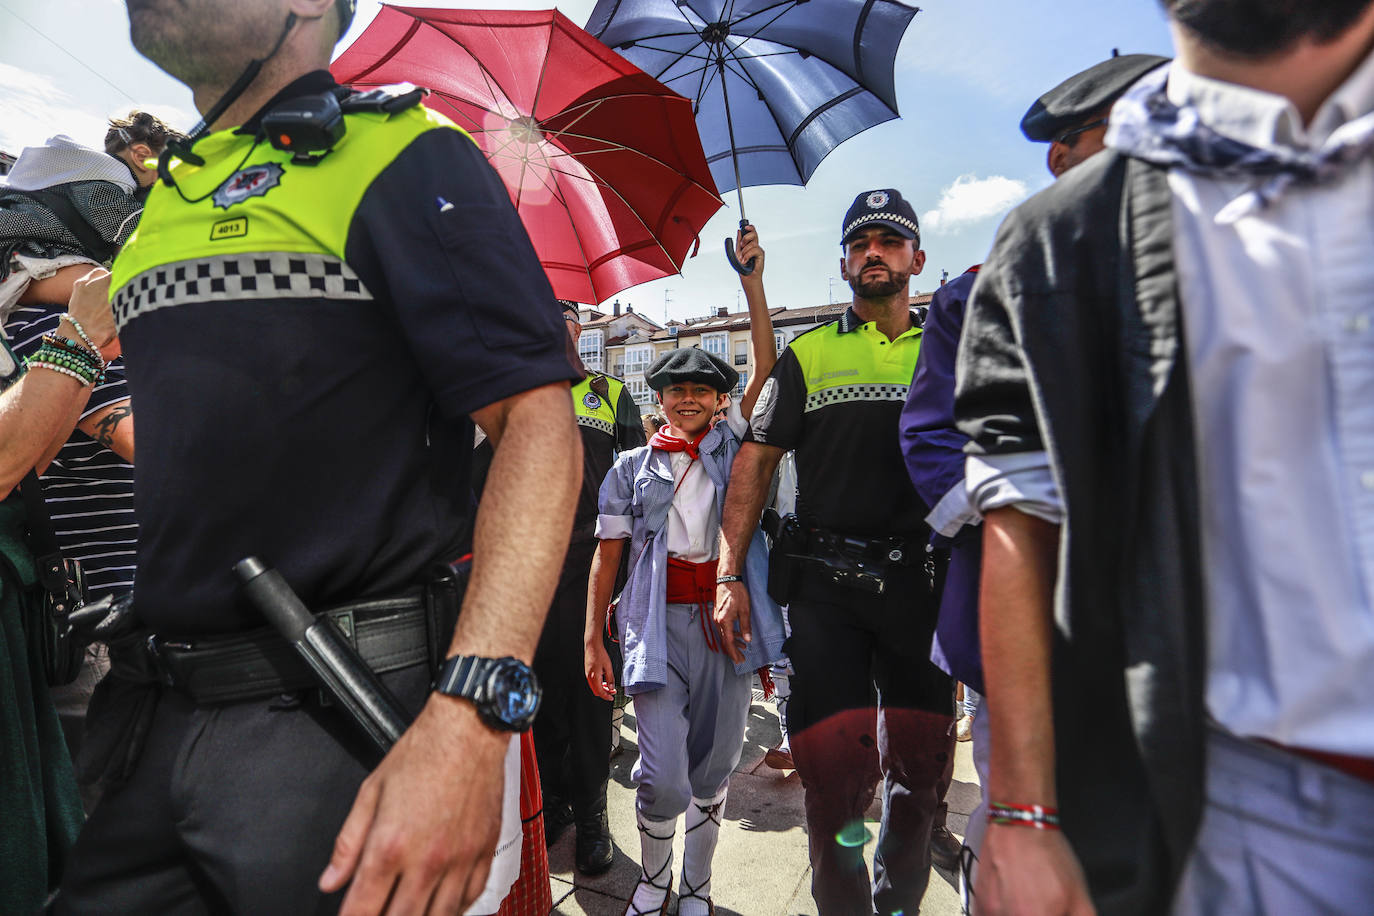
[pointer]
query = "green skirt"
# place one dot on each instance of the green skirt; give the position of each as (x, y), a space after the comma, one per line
(40, 809)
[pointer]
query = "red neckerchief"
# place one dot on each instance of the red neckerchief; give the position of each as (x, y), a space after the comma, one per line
(670, 443)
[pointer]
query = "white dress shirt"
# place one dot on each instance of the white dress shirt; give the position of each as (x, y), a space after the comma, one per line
(1278, 312)
(694, 519)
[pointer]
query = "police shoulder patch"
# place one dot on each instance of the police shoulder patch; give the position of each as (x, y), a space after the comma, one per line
(254, 181)
(591, 400)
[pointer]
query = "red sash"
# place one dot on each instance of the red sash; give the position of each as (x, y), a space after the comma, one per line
(695, 583)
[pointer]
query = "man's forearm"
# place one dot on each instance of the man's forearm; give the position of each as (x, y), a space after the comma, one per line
(36, 416)
(1015, 626)
(744, 498)
(605, 564)
(523, 522)
(113, 427)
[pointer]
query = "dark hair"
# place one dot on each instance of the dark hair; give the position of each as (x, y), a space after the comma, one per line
(1258, 28)
(139, 127)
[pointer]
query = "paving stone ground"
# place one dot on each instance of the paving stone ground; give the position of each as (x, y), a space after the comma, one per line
(761, 866)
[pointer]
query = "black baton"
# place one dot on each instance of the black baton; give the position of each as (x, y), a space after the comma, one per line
(337, 665)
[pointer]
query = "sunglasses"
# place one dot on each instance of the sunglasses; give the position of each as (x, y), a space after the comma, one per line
(1075, 131)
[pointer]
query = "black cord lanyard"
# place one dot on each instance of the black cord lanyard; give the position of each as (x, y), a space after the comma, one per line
(182, 149)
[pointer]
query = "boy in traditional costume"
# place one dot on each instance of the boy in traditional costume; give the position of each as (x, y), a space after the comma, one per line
(691, 681)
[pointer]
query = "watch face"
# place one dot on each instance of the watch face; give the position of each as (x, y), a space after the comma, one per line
(513, 693)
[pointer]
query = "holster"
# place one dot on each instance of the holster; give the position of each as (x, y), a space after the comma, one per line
(787, 558)
(390, 633)
(861, 563)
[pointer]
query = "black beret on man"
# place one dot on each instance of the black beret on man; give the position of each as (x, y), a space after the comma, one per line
(885, 207)
(691, 364)
(1080, 96)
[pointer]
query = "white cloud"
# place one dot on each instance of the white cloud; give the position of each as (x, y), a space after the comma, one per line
(971, 200)
(33, 108)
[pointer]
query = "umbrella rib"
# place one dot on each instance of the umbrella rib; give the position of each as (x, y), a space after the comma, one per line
(695, 31)
(577, 236)
(613, 147)
(392, 52)
(603, 183)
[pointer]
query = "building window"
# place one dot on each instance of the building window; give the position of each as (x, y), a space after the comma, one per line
(741, 353)
(743, 382)
(590, 350)
(716, 344)
(779, 341)
(637, 360)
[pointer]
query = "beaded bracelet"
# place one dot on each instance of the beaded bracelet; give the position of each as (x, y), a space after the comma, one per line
(73, 373)
(66, 360)
(1037, 816)
(88, 368)
(66, 343)
(81, 332)
(54, 345)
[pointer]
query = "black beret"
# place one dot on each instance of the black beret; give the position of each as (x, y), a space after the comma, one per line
(885, 206)
(691, 364)
(1071, 102)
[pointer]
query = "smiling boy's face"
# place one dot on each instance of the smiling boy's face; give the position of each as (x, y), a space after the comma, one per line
(689, 406)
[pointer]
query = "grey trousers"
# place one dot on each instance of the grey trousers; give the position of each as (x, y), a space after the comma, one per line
(691, 730)
(1281, 834)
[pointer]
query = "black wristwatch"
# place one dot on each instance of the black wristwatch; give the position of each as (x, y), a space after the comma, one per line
(504, 690)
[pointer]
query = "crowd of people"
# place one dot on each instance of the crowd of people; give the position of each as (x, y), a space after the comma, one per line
(1068, 488)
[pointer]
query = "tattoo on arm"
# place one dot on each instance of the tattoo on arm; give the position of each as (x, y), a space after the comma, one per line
(105, 429)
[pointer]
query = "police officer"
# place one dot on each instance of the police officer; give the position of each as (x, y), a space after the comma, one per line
(315, 309)
(861, 606)
(572, 729)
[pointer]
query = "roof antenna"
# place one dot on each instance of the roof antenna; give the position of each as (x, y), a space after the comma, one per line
(1116, 52)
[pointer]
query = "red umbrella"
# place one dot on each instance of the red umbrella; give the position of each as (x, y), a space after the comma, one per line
(602, 161)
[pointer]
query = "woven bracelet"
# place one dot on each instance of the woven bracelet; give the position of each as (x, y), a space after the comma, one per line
(1037, 816)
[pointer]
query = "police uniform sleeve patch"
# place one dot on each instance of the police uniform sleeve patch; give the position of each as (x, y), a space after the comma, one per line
(591, 400)
(764, 405)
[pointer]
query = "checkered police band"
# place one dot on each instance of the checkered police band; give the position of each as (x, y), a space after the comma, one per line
(895, 218)
(273, 275)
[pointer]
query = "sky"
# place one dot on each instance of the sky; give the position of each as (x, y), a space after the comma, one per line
(966, 72)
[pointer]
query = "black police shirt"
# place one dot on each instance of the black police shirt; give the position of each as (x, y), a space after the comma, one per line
(851, 477)
(330, 435)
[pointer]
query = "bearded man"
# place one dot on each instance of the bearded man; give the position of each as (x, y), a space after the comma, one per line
(1161, 346)
(862, 606)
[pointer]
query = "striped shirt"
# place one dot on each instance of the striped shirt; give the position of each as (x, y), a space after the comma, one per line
(89, 489)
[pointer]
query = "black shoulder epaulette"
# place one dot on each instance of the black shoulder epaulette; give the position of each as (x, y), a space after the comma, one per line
(819, 327)
(384, 99)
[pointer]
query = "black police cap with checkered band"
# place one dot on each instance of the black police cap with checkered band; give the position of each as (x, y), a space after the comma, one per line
(886, 207)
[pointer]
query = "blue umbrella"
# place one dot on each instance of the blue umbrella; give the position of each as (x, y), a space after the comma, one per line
(777, 84)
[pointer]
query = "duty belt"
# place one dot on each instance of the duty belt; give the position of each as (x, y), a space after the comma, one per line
(896, 550)
(389, 633)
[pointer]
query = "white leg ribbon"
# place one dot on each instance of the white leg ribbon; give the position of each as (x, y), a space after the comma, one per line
(656, 865)
(699, 848)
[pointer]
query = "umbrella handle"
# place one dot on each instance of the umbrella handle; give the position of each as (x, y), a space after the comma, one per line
(743, 270)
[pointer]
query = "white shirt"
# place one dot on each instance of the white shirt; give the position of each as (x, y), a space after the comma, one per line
(694, 519)
(1278, 311)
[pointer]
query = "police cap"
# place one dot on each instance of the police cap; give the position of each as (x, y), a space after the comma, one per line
(885, 206)
(691, 364)
(1071, 102)
(570, 306)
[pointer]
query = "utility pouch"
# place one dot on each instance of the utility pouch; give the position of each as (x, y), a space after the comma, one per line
(62, 591)
(788, 556)
(443, 600)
